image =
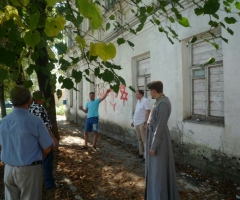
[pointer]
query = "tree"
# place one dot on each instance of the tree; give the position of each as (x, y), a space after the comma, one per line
(31, 30)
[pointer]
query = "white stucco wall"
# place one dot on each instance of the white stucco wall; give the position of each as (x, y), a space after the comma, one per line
(169, 65)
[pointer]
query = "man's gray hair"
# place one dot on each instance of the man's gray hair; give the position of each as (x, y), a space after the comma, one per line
(20, 95)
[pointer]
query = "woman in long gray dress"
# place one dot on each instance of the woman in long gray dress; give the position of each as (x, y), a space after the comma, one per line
(160, 174)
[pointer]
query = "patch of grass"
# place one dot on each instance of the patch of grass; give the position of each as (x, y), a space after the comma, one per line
(60, 110)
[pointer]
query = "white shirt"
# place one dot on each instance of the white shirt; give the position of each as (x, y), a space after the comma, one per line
(140, 111)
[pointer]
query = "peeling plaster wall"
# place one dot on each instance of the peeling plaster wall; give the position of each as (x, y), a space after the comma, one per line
(212, 147)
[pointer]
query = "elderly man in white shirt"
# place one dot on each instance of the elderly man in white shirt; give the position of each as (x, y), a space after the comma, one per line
(140, 118)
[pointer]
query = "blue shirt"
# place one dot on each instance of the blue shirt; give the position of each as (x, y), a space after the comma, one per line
(92, 107)
(22, 137)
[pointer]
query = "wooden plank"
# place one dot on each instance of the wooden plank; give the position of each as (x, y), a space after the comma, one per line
(199, 112)
(200, 105)
(199, 96)
(216, 106)
(144, 65)
(141, 81)
(199, 87)
(216, 87)
(217, 113)
(216, 70)
(216, 78)
(216, 96)
(201, 58)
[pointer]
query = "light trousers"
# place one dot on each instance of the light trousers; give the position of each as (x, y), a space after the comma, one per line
(141, 136)
(23, 183)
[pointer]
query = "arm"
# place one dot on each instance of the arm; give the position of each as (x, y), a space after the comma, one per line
(147, 115)
(84, 110)
(55, 141)
(46, 151)
(105, 95)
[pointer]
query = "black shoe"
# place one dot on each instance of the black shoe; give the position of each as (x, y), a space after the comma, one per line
(56, 186)
(143, 160)
(139, 156)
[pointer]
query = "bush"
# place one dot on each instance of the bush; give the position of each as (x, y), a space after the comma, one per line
(60, 110)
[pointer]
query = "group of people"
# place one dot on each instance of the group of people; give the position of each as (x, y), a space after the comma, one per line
(27, 143)
(155, 148)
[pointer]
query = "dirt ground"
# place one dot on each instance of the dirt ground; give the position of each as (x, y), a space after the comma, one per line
(112, 173)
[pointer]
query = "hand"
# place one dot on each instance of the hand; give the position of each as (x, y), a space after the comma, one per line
(152, 153)
(145, 125)
(80, 107)
(132, 125)
(55, 142)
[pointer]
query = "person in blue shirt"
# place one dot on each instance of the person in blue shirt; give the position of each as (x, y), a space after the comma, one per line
(91, 124)
(25, 141)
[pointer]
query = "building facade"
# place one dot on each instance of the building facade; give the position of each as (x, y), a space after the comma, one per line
(205, 118)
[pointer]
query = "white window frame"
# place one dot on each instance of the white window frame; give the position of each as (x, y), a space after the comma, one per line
(206, 69)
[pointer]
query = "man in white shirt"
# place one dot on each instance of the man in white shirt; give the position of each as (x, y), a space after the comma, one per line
(140, 118)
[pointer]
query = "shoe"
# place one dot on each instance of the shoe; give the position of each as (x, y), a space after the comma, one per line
(139, 156)
(143, 160)
(56, 186)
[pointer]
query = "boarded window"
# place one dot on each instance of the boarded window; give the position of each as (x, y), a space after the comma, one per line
(207, 81)
(144, 76)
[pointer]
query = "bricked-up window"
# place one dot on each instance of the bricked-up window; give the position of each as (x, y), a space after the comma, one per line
(207, 81)
(144, 76)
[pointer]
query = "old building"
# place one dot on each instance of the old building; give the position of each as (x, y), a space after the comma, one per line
(205, 118)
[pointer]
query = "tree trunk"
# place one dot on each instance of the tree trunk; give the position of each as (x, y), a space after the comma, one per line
(46, 88)
(2, 101)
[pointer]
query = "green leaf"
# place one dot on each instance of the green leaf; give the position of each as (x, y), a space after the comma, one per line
(213, 23)
(106, 52)
(7, 57)
(193, 39)
(230, 20)
(227, 9)
(77, 75)
(222, 24)
(29, 70)
(87, 71)
(28, 84)
(61, 48)
(172, 19)
(184, 22)
(140, 27)
(3, 74)
(226, 3)
(150, 9)
(108, 76)
(60, 79)
(237, 5)
(115, 88)
(230, 1)
(112, 17)
(132, 89)
(34, 19)
(59, 93)
(111, 65)
(130, 43)
(67, 83)
(96, 71)
(50, 66)
(108, 26)
(34, 56)
(156, 21)
(53, 26)
(2, 32)
(51, 54)
(230, 31)
(81, 41)
(210, 61)
(120, 41)
(211, 7)
(51, 3)
(20, 2)
(215, 16)
(121, 80)
(32, 38)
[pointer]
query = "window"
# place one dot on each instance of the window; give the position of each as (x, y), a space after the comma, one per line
(144, 76)
(207, 83)
(109, 3)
